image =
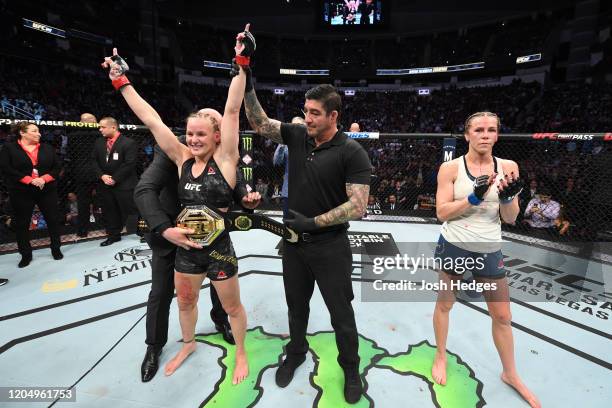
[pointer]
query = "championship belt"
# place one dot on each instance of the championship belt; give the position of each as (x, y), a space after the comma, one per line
(230, 221)
(206, 223)
(240, 221)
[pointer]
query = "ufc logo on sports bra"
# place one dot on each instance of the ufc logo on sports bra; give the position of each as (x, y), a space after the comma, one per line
(192, 187)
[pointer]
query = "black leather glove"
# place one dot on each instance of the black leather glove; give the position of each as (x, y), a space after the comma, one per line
(250, 45)
(300, 223)
(513, 189)
(122, 66)
(481, 186)
(244, 59)
(118, 68)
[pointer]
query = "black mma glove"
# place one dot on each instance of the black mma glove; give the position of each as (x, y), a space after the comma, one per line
(513, 189)
(300, 223)
(250, 45)
(117, 72)
(481, 186)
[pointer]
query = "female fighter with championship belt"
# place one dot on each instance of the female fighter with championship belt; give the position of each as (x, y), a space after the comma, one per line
(474, 190)
(207, 175)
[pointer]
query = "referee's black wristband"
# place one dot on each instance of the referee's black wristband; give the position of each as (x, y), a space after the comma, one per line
(159, 230)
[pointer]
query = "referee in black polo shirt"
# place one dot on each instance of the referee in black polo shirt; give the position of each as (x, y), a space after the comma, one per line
(329, 183)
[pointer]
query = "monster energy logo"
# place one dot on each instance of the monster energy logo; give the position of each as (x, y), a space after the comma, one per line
(247, 172)
(463, 389)
(247, 143)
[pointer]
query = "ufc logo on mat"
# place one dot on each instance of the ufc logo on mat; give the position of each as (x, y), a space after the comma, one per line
(192, 187)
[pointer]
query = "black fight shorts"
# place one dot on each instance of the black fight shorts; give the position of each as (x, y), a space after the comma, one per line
(217, 261)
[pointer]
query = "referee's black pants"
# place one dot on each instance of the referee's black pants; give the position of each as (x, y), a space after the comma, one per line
(328, 263)
(160, 299)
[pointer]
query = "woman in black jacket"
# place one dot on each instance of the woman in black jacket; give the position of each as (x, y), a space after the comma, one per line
(30, 170)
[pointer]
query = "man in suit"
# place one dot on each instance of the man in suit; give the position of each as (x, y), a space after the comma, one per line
(114, 165)
(391, 204)
(157, 202)
(81, 141)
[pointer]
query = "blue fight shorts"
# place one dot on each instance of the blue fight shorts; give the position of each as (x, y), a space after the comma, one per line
(456, 261)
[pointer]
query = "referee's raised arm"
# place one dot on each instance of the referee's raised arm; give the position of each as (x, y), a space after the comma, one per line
(259, 121)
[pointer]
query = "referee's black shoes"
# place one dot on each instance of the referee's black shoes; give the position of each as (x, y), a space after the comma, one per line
(57, 254)
(109, 241)
(284, 373)
(226, 331)
(352, 386)
(25, 261)
(150, 364)
(3, 281)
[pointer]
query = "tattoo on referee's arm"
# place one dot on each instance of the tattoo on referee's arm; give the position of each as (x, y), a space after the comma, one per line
(353, 209)
(258, 119)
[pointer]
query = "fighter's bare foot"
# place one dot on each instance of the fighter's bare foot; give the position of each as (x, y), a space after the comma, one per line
(178, 359)
(516, 383)
(438, 369)
(241, 369)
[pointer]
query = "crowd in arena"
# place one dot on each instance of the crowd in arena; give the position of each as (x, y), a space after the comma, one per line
(524, 107)
(405, 170)
(51, 92)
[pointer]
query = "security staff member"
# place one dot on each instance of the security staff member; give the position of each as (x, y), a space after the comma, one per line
(114, 165)
(329, 176)
(30, 170)
(157, 202)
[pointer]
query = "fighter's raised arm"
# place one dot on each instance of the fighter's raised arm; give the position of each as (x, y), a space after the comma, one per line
(259, 121)
(228, 148)
(141, 108)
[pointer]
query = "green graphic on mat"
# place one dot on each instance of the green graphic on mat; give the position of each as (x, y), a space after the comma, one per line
(462, 390)
(328, 377)
(263, 351)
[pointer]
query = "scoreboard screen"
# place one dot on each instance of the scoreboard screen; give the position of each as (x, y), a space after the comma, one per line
(353, 13)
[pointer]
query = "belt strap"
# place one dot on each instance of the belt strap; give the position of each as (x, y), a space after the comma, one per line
(319, 236)
(241, 221)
